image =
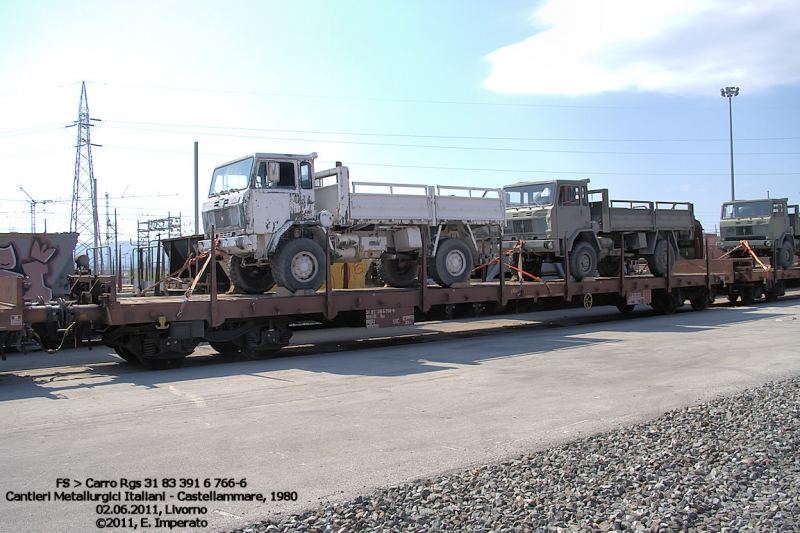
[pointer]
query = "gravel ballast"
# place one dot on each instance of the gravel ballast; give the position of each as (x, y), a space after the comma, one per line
(729, 465)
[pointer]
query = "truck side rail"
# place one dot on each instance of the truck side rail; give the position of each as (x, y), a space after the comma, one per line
(632, 204)
(685, 206)
(471, 205)
(390, 202)
(471, 192)
(640, 215)
(410, 189)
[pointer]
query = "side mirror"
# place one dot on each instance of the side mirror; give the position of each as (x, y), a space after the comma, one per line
(273, 172)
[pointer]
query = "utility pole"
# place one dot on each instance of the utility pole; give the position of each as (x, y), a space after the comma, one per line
(196, 194)
(84, 219)
(33, 210)
(729, 93)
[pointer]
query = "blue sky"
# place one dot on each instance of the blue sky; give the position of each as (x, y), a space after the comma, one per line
(624, 92)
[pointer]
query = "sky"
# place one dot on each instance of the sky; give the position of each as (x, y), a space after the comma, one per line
(623, 92)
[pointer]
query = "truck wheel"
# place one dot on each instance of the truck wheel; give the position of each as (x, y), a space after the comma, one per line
(662, 254)
(299, 264)
(251, 279)
(786, 255)
(452, 264)
(609, 267)
(582, 260)
(397, 272)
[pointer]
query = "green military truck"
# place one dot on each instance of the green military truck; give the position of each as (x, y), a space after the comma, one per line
(770, 226)
(548, 220)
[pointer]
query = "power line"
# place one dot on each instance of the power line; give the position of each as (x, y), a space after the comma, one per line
(446, 147)
(423, 136)
(36, 91)
(36, 152)
(373, 99)
(29, 131)
(584, 173)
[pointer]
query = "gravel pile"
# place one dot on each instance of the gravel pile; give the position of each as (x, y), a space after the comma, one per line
(730, 465)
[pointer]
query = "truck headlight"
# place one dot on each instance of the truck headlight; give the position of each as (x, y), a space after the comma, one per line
(768, 244)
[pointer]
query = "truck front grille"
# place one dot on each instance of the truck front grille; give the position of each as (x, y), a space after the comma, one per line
(527, 225)
(738, 233)
(222, 219)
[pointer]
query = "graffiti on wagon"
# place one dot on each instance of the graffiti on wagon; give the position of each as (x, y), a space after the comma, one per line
(44, 258)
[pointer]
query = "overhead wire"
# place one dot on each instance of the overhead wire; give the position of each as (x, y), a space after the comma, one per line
(446, 147)
(422, 136)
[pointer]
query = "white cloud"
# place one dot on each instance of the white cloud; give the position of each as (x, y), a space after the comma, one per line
(675, 46)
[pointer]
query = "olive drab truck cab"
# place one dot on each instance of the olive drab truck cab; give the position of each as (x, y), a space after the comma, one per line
(770, 226)
(276, 218)
(549, 220)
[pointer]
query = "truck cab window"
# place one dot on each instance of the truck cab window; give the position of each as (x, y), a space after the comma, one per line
(569, 195)
(261, 176)
(287, 176)
(305, 176)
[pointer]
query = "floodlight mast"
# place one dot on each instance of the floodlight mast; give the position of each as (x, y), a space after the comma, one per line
(729, 93)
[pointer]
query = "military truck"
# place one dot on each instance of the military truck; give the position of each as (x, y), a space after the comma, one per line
(548, 220)
(768, 225)
(274, 215)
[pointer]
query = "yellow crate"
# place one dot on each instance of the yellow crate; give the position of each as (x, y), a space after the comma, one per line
(356, 275)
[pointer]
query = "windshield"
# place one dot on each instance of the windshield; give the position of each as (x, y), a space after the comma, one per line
(746, 209)
(533, 194)
(233, 177)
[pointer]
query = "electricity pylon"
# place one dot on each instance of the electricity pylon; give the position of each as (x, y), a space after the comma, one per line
(84, 219)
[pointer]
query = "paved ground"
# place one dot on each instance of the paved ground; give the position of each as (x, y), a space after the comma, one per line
(334, 425)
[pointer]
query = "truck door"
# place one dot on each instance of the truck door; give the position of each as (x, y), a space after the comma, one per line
(282, 190)
(306, 191)
(572, 211)
(779, 220)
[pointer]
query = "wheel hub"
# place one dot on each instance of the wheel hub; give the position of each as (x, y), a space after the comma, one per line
(585, 262)
(304, 266)
(455, 263)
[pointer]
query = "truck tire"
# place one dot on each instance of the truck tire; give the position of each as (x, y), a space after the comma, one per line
(252, 280)
(452, 264)
(397, 272)
(299, 264)
(663, 257)
(786, 255)
(609, 266)
(582, 260)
